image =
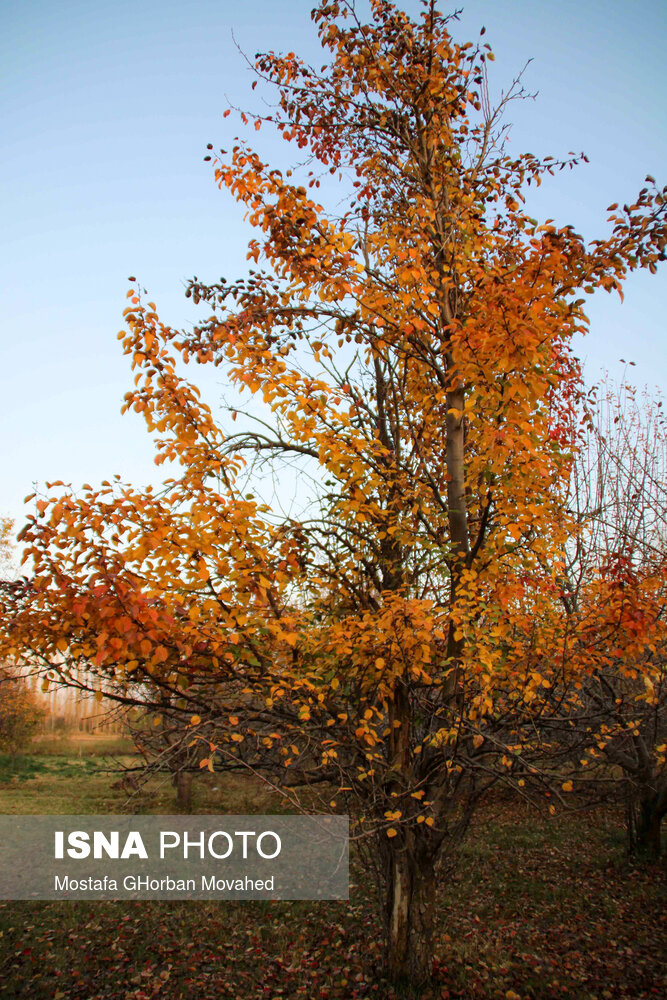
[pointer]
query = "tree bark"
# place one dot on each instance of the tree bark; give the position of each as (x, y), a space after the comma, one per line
(410, 919)
(183, 782)
(644, 822)
(456, 484)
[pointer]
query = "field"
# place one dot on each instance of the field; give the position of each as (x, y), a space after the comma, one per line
(537, 909)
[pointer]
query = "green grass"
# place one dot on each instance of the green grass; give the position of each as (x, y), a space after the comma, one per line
(23, 767)
(20, 767)
(537, 909)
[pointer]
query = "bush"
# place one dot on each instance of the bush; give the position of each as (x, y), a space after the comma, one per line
(20, 714)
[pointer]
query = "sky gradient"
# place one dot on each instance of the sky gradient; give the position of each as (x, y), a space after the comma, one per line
(106, 112)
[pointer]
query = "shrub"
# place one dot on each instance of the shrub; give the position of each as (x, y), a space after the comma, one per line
(20, 714)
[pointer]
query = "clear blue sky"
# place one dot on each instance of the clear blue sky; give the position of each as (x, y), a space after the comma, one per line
(106, 110)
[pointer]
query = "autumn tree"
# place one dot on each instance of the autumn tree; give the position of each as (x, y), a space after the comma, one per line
(410, 355)
(615, 599)
(19, 712)
(164, 744)
(6, 548)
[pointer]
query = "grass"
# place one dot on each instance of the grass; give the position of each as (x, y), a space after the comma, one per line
(70, 744)
(536, 909)
(65, 782)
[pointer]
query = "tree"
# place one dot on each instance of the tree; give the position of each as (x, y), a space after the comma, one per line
(615, 600)
(6, 547)
(19, 712)
(165, 744)
(412, 357)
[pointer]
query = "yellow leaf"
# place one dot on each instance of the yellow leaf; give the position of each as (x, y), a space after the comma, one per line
(567, 786)
(391, 832)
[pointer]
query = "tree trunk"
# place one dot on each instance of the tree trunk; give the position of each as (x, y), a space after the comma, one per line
(410, 918)
(644, 822)
(645, 813)
(183, 782)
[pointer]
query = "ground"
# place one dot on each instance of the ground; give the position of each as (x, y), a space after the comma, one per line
(537, 909)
